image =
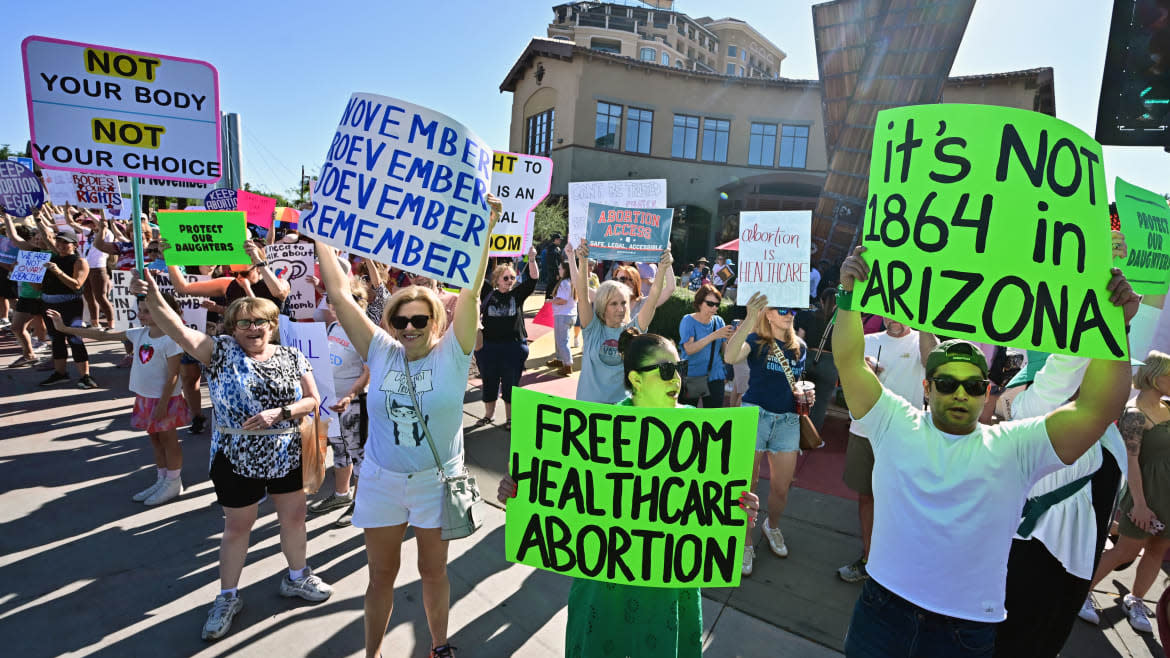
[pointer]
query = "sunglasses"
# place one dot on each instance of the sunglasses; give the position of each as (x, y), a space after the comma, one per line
(948, 385)
(399, 322)
(783, 311)
(710, 303)
(624, 279)
(666, 370)
(254, 323)
(507, 278)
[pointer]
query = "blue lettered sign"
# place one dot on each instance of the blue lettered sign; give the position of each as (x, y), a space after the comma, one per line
(220, 199)
(635, 234)
(21, 192)
(406, 186)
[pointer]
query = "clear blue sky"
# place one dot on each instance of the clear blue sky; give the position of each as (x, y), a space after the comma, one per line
(288, 67)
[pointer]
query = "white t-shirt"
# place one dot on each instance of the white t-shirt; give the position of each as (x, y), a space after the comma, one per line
(902, 362)
(347, 363)
(565, 291)
(946, 506)
(148, 372)
(716, 269)
(397, 441)
(94, 256)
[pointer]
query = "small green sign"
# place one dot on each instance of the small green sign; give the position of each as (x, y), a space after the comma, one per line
(204, 237)
(1145, 221)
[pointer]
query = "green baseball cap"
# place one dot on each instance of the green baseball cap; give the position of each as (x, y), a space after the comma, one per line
(1027, 374)
(956, 351)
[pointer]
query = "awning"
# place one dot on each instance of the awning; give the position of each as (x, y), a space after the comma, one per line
(729, 246)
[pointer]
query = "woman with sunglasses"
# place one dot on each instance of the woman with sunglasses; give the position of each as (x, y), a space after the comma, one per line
(627, 620)
(65, 275)
(260, 391)
(505, 341)
(401, 484)
(702, 335)
(766, 340)
(634, 279)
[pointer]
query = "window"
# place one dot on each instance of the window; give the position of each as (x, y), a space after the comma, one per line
(715, 139)
(540, 132)
(606, 46)
(666, 59)
(730, 68)
(741, 71)
(685, 139)
(793, 146)
(743, 55)
(609, 116)
(638, 128)
(678, 63)
(762, 144)
(731, 51)
(648, 55)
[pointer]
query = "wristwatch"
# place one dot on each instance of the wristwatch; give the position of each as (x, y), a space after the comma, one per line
(285, 413)
(262, 263)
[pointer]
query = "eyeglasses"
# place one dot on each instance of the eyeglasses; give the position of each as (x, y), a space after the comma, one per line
(710, 303)
(254, 323)
(666, 370)
(783, 311)
(948, 385)
(399, 322)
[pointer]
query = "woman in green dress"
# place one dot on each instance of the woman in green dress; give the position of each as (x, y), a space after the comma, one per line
(607, 619)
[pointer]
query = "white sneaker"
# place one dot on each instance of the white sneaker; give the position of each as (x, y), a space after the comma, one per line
(749, 558)
(219, 618)
(775, 540)
(1089, 612)
(1139, 615)
(145, 493)
(169, 489)
(309, 587)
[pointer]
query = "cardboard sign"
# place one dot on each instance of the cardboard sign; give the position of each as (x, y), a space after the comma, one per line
(204, 238)
(618, 193)
(637, 234)
(521, 182)
(168, 188)
(1145, 221)
(96, 191)
(312, 339)
(30, 266)
(406, 186)
(774, 257)
(21, 193)
(988, 223)
(108, 110)
(220, 199)
(629, 495)
(294, 263)
(126, 305)
(257, 207)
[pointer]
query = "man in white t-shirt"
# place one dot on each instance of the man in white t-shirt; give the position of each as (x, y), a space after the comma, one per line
(948, 491)
(897, 357)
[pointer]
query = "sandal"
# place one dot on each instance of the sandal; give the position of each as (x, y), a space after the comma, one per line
(507, 426)
(482, 422)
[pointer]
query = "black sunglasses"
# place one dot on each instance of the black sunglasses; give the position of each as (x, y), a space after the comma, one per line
(708, 302)
(400, 321)
(948, 385)
(783, 311)
(624, 279)
(666, 370)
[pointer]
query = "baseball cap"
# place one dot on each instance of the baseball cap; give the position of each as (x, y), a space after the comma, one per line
(955, 351)
(1027, 374)
(67, 236)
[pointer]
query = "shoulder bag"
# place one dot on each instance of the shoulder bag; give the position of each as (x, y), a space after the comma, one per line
(462, 504)
(810, 438)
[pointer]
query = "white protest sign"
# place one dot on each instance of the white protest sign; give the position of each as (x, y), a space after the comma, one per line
(312, 339)
(97, 191)
(649, 193)
(59, 185)
(406, 186)
(521, 182)
(108, 110)
(163, 187)
(774, 257)
(294, 263)
(30, 266)
(126, 305)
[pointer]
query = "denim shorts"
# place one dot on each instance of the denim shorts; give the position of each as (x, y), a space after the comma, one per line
(777, 432)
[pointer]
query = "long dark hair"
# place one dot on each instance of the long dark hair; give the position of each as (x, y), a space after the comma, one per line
(634, 348)
(563, 274)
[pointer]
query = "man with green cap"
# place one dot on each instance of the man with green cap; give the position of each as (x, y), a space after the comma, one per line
(948, 491)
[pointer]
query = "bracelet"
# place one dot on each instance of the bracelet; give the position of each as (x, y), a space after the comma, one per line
(844, 299)
(262, 263)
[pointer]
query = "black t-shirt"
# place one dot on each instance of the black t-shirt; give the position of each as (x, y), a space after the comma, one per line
(260, 289)
(814, 325)
(502, 313)
(51, 285)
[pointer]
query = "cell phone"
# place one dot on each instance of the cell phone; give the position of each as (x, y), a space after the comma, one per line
(1157, 527)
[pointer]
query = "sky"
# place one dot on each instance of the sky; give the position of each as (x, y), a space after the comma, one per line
(287, 68)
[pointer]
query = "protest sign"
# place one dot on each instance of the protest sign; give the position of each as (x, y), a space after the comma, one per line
(521, 182)
(406, 186)
(774, 256)
(988, 224)
(618, 193)
(126, 305)
(1145, 221)
(294, 263)
(629, 495)
(97, 191)
(257, 207)
(637, 234)
(113, 111)
(30, 266)
(27, 162)
(169, 188)
(21, 193)
(220, 199)
(204, 238)
(312, 339)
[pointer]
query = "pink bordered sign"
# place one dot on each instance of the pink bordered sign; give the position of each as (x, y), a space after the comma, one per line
(102, 110)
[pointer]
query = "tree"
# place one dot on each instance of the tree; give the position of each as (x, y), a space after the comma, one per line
(552, 216)
(5, 151)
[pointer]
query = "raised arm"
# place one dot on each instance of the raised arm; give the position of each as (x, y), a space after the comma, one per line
(99, 239)
(81, 332)
(736, 349)
(353, 319)
(579, 275)
(216, 287)
(278, 287)
(861, 385)
(466, 319)
(14, 237)
(533, 268)
(654, 299)
(196, 343)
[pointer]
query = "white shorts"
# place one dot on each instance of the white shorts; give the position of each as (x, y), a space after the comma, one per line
(388, 498)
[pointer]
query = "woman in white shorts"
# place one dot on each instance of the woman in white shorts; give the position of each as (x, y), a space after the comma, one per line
(400, 483)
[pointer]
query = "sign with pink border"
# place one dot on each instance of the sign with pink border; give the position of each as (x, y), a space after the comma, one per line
(102, 110)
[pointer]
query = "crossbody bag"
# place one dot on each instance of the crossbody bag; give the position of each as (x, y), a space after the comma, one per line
(810, 438)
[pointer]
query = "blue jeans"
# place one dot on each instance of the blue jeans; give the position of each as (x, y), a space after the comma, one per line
(500, 368)
(885, 625)
(562, 324)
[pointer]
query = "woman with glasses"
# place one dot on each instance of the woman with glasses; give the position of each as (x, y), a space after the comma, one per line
(564, 302)
(772, 350)
(418, 375)
(505, 341)
(628, 620)
(634, 279)
(702, 335)
(260, 391)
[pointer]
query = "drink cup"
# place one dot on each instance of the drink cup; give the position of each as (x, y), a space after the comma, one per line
(804, 390)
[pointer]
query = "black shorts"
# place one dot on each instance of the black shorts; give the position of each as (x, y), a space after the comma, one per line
(30, 306)
(8, 289)
(235, 490)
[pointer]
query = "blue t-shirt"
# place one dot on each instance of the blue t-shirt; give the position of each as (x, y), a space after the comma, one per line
(700, 363)
(768, 387)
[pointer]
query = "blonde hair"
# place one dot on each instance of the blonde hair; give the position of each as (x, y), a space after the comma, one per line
(499, 270)
(763, 329)
(254, 306)
(604, 295)
(1157, 364)
(408, 294)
